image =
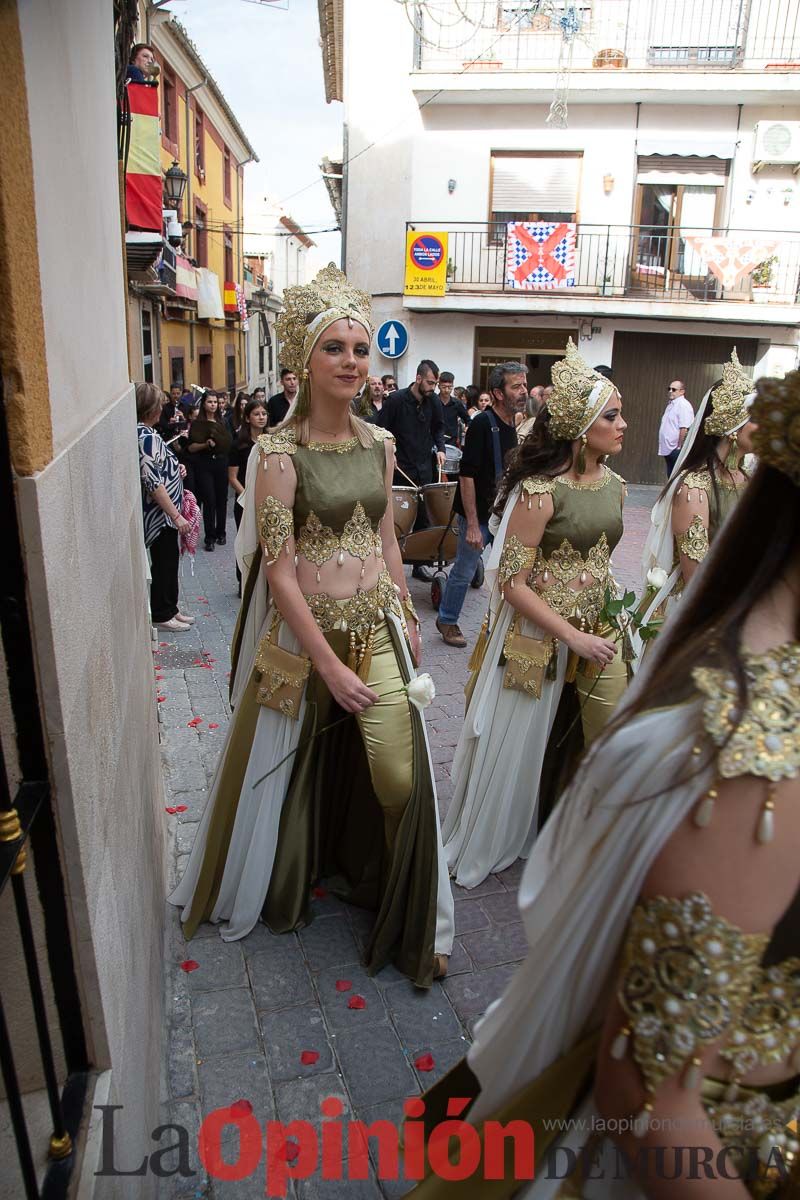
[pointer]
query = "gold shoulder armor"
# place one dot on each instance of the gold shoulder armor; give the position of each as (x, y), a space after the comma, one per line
(282, 441)
(380, 434)
(538, 485)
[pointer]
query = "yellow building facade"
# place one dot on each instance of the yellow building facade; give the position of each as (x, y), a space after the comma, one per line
(171, 341)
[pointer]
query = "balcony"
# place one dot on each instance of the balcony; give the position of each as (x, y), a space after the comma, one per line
(617, 35)
(633, 270)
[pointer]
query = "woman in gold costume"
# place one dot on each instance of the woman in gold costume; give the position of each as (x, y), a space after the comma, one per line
(535, 670)
(706, 484)
(326, 636)
(658, 1010)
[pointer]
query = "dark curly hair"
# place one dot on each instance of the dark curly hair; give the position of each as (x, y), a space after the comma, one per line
(537, 454)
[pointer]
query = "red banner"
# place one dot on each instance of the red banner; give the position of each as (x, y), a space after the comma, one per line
(143, 186)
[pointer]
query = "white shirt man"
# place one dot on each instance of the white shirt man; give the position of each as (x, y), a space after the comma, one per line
(675, 424)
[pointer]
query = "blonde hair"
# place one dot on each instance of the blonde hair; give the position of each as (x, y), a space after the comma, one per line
(302, 423)
(148, 398)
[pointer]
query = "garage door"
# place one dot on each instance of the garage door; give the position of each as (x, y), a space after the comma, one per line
(644, 364)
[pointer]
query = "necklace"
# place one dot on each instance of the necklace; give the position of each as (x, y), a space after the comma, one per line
(331, 433)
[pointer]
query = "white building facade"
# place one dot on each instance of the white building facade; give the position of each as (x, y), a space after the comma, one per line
(675, 175)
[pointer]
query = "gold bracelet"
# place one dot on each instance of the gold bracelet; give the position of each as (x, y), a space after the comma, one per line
(408, 605)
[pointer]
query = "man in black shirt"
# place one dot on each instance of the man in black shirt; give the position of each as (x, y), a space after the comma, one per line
(414, 416)
(490, 436)
(453, 410)
(278, 405)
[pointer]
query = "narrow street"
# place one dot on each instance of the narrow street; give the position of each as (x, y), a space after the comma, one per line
(240, 1020)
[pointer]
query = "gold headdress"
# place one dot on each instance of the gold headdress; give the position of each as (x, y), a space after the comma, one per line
(310, 309)
(728, 409)
(580, 394)
(777, 413)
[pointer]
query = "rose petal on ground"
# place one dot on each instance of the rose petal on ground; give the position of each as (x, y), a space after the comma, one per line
(195, 721)
(241, 1108)
(198, 662)
(163, 643)
(171, 811)
(189, 965)
(160, 699)
(425, 1062)
(309, 1057)
(356, 1002)
(343, 985)
(180, 808)
(291, 1150)
(213, 725)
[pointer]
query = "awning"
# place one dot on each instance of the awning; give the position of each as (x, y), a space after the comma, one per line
(687, 146)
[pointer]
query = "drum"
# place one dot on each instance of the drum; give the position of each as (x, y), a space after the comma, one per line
(452, 460)
(438, 498)
(405, 502)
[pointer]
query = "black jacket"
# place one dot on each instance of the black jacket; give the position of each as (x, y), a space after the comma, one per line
(417, 429)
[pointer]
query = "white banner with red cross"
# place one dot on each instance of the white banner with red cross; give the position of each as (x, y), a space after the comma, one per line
(540, 254)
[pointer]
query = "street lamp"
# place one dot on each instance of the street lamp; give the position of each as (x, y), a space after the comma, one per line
(175, 181)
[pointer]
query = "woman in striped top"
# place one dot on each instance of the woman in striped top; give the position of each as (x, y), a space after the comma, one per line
(162, 497)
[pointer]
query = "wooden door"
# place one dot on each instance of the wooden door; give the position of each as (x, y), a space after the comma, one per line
(643, 365)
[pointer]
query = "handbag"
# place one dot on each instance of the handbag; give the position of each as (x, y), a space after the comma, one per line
(283, 676)
(526, 659)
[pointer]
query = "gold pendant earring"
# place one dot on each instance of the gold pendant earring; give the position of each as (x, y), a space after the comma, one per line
(580, 462)
(732, 460)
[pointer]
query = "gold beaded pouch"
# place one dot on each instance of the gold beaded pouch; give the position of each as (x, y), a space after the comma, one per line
(283, 676)
(526, 660)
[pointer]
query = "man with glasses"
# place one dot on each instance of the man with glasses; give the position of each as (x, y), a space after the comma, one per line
(675, 424)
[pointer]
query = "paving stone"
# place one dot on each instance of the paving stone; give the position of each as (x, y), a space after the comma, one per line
(338, 1189)
(491, 884)
(186, 1114)
(279, 977)
(362, 922)
(185, 835)
(470, 916)
(224, 1021)
(471, 995)
(181, 1062)
(499, 944)
(374, 1065)
(236, 1076)
(421, 1015)
(301, 1099)
(287, 1034)
(512, 875)
(221, 965)
(460, 962)
(329, 941)
(334, 1004)
(391, 1111)
(261, 938)
(195, 805)
(501, 908)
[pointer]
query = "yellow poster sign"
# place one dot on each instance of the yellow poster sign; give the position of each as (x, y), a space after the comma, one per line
(426, 264)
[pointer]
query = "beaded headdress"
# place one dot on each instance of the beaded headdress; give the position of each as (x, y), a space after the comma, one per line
(311, 308)
(729, 412)
(580, 394)
(776, 411)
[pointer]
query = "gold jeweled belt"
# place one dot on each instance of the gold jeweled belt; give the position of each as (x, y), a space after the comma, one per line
(356, 615)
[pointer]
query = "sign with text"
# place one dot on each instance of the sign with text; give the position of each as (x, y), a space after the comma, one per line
(426, 263)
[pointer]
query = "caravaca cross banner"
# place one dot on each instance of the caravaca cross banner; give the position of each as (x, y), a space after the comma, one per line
(426, 264)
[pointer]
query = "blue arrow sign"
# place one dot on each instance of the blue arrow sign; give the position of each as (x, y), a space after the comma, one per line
(392, 339)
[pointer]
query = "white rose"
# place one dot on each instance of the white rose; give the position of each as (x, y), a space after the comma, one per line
(656, 578)
(421, 691)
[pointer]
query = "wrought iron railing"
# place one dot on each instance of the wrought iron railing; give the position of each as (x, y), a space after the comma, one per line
(528, 35)
(27, 824)
(627, 260)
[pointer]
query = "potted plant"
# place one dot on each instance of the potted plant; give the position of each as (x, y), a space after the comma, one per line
(610, 60)
(763, 277)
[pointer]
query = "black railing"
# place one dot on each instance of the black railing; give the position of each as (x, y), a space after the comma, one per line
(643, 261)
(27, 823)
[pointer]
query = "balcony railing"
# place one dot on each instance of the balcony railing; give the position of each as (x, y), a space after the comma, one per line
(620, 261)
(527, 35)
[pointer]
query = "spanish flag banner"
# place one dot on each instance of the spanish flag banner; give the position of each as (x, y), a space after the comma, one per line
(143, 186)
(231, 303)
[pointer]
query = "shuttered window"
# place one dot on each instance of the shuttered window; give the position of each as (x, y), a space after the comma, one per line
(688, 169)
(535, 184)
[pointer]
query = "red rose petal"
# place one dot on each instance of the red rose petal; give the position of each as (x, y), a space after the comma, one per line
(424, 1062)
(356, 1002)
(160, 699)
(213, 725)
(241, 1108)
(189, 965)
(343, 985)
(291, 1150)
(180, 808)
(163, 643)
(319, 892)
(309, 1057)
(171, 811)
(201, 598)
(195, 721)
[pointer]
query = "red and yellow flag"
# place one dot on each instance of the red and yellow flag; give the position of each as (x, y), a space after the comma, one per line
(143, 186)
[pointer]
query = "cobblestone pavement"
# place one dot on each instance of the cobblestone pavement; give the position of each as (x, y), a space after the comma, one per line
(238, 1024)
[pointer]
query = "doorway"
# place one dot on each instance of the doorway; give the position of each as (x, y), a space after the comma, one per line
(666, 214)
(204, 367)
(537, 348)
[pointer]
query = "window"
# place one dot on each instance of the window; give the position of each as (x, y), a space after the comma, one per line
(533, 187)
(200, 237)
(176, 369)
(226, 176)
(230, 368)
(199, 144)
(264, 343)
(169, 112)
(227, 240)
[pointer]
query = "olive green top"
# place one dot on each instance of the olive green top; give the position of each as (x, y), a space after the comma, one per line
(582, 512)
(721, 501)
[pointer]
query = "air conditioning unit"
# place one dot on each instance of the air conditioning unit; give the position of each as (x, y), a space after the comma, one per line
(777, 143)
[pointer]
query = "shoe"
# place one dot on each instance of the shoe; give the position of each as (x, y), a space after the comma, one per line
(174, 626)
(222, 539)
(440, 963)
(184, 618)
(424, 573)
(451, 635)
(208, 544)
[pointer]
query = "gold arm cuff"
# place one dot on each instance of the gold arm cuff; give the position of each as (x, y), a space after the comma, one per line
(276, 526)
(694, 543)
